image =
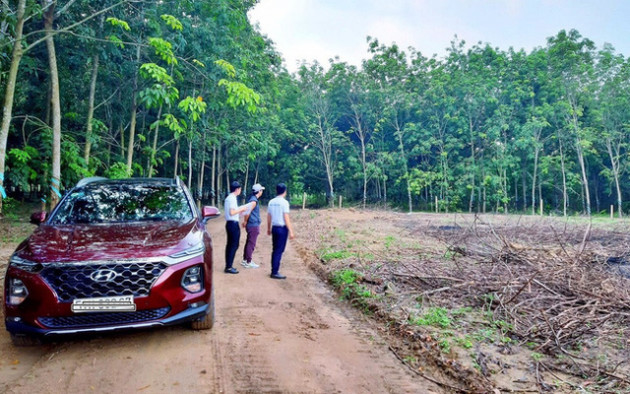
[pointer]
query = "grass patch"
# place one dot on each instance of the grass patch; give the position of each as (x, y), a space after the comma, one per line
(389, 241)
(338, 255)
(347, 281)
(437, 317)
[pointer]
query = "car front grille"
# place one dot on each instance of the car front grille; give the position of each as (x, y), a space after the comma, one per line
(103, 279)
(103, 318)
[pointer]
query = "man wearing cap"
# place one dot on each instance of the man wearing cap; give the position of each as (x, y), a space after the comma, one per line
(252, 226)
(279, 227)
(232, 228)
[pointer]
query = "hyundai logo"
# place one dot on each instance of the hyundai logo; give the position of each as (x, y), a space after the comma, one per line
(104, 275)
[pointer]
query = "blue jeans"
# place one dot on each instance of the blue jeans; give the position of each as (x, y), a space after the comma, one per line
(279, 236)
(233, 236)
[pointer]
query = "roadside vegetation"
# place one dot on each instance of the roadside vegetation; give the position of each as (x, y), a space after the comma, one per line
(486, 302)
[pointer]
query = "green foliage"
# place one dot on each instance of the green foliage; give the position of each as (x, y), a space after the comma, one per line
(338, 255)
(226, 67)
(163, 49)
(118, 170)
(115, 22)
(347, 281)
(156, 73)
(193, 107)
(389, 241)
(480, 129)
(239, 95)
(172, 22)
(438, 317)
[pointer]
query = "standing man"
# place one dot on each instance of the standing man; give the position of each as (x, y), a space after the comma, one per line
(279, 227)
(231, 226)
(252, 226)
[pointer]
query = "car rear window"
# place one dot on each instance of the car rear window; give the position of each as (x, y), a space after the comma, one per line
(123, 203)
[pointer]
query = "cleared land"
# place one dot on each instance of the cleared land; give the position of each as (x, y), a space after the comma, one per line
(440, 303)
(491, 302)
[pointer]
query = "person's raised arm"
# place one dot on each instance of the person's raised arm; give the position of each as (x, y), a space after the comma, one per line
(268, 223)
(242, 208)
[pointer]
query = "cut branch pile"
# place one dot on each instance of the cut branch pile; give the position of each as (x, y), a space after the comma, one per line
(561, 290)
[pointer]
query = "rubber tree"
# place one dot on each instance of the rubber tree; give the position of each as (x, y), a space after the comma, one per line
(389, 69)
(572, 65)
(7, 109)
(321, 118)
(613, 72)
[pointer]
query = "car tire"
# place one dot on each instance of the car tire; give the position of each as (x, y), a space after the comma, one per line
(206, 322)
(25, 340)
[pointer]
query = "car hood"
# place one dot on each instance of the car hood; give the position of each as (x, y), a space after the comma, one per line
(109, 241)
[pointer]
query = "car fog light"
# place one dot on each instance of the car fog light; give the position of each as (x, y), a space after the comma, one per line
(17, 291)
(192, 280)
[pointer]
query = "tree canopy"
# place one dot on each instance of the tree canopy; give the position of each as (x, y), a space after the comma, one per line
(192, 89)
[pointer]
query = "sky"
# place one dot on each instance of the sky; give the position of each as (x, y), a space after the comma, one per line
(322, 29)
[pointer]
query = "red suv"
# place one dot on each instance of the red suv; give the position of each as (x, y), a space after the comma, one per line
(113, 255)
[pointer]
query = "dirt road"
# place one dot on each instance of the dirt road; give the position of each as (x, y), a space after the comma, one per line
(269, 336)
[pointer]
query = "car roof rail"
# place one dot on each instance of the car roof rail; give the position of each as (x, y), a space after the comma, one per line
(91, 179)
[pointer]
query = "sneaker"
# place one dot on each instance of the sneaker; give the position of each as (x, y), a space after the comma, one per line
(244, 263)
(231, 270)
(253, 265)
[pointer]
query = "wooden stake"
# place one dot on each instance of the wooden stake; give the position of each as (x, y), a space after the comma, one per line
(303, 200)
(612, 211)
(436, 205)
(541, 207)
(340, 199)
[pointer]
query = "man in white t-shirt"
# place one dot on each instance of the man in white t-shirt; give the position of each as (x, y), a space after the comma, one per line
(279, 227)
(232, 228)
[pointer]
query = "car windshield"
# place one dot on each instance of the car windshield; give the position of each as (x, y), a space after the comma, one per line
(123, 203)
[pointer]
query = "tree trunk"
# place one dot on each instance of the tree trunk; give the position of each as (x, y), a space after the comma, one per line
(524, 183)
(122, 139)
(245, 189)
(614, 160)
(565, 197)
(190, 163)
(219, 173)
(7, 111)
(587, 194)
(401, 146)
(134, 110)
(472, 169)
(536, 152)
(56, 105)
(176, 158)
(154, 147)
(213, 189)
(202, 167)
(90, 115)
(364, 164)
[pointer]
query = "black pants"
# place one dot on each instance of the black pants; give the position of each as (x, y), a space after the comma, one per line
(279, 236)
(233, 236)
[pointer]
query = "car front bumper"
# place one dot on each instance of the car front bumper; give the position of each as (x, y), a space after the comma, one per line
(17, 327)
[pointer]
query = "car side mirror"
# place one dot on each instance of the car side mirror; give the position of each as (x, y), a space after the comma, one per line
(208, 212)
(38, 218)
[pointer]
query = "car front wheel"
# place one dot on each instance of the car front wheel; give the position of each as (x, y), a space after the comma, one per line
(206, 322)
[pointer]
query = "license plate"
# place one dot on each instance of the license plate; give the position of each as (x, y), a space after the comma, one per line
(104, 304)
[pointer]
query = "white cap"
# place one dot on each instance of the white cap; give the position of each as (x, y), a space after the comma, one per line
(257, 187)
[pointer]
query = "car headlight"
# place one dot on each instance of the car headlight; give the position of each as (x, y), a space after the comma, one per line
(24, 264)
(17, 291)
(192, 281)
(195, 250)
